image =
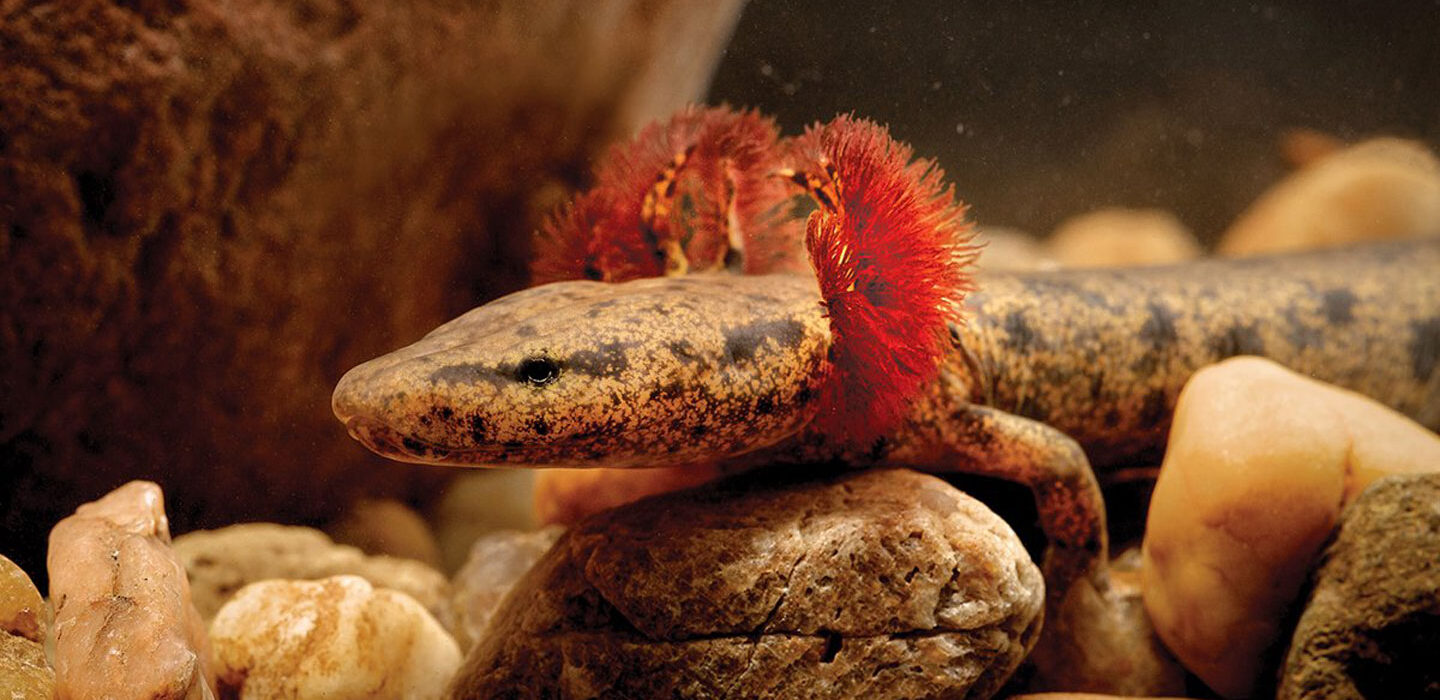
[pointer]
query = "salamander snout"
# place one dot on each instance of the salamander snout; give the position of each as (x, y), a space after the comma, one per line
(645, 373)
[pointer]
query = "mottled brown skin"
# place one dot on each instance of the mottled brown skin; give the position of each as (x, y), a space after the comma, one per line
(1047, 368)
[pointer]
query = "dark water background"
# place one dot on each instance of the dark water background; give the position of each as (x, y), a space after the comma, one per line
(1042, 110)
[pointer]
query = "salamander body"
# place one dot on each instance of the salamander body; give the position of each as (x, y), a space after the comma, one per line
(1046, 369)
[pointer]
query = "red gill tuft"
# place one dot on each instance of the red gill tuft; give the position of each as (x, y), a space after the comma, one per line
(890, 247)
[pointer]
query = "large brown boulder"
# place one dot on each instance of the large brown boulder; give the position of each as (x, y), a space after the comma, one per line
(210, 210)
(876, 584)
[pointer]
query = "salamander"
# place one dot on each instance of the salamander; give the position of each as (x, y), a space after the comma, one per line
(1049, 372)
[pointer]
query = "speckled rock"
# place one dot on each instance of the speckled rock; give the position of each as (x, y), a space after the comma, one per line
(210, 209)
(336, 638)
(877, 584)
(497, 561)
(221, 562)
(1371, 628)
(124, 623)
(24, 623)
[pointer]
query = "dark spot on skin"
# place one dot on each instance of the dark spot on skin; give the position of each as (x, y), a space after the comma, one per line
(673, 390)
(468, 373)
(606, 359)
(1339, 306)
(683, 351)
(513, 445)
(477, 429)
(413, 446)
(1022, 337)
(804, 396)
(699, 431)
(525, 330)
(659, 309)
(540, 426)
(1112, 418)
(765, 405)
(445, 412)
(425, 421)
(1300, 332)
(1425, 347)
(741, 342)
(1155, 409)
(1159, 329)
(593, 312)
(1238, 340)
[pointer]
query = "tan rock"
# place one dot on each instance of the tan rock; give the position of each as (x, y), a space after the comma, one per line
(1118, 237)
(478, 501)
(221, 562)
(336, 638)
(1011, 249)
(497, 561)
(1380, 189)
(1101, 641)
(24, 673)
(877, 584)
(24, 624)
(22, 611)
(566, 496)
(389, 527)
(1259, 463)
(124, 623)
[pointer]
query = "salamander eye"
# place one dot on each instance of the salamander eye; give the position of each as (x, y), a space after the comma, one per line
(539, 371)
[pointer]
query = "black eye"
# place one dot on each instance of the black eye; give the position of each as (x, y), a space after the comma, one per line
(539, 371)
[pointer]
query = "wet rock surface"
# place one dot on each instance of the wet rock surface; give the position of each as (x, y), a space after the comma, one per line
(497, 561)
(1371, 627)
(24, 623)
(337, 638)
(124, 622)
(873, 584)
(221, 562)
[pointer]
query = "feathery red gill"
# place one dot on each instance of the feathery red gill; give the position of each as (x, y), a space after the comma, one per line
(679, 197)
(888, 242)
(890, 255)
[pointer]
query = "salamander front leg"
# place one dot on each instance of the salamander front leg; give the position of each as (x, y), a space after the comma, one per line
(985, 441)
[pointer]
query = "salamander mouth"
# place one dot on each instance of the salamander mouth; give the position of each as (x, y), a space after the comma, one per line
(388, 442)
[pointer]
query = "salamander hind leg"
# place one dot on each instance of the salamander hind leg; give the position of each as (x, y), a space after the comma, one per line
(988, 442)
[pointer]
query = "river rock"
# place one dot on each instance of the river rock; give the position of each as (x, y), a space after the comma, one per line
(124, 623)
(877, 584)
(1260, 461)
(1120, 237)
(1371, 628)
(338, 638)
(497, 561)
(24, 623)
(221, 562)
(388, 527)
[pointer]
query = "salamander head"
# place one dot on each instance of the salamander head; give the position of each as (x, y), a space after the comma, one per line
(659, 371)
